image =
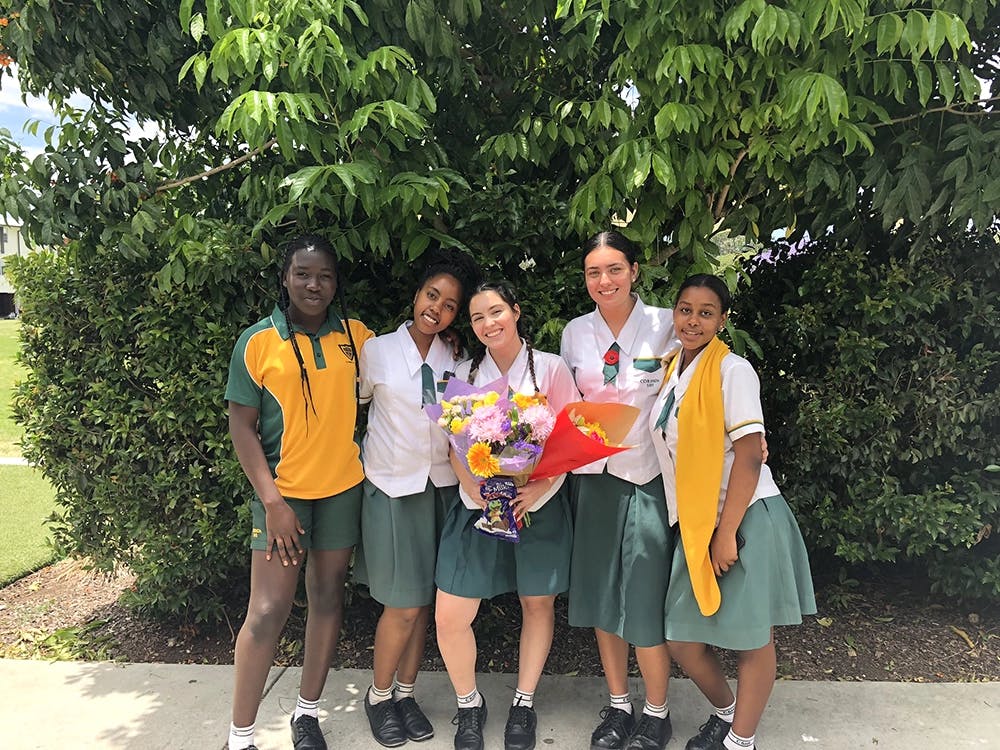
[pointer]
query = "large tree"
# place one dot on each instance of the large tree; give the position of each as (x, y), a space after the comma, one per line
(511, 128)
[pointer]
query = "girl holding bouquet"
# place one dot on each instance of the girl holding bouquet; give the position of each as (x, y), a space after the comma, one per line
(740, 567)
(472, 566)
(622, 541)
(408, 483)
(292, 405)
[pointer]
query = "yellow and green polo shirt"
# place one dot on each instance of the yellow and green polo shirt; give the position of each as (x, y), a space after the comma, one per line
(310, 457)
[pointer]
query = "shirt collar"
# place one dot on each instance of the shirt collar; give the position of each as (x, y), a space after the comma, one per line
(627, 337)
(280, 323)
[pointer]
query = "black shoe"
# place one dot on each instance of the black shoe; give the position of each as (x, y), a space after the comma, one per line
(470, 722)
(306, 734)
(650, 733)
(417, 727)
(519, 734)
(387, 729)
(710, 734)
(613, 732)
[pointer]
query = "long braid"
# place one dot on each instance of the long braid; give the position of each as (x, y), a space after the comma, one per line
(283, 304)
(531, 364)
(476, 361)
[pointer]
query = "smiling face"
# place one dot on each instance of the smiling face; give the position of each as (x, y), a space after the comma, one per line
(436, 304)
(698, 316)
(311, 281)
(494, 321)
(609, 277)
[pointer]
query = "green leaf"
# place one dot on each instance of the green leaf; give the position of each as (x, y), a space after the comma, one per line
(888, 32)
(924, 82)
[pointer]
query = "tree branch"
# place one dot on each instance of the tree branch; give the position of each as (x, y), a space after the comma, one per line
(215, 170)
(947, 108)
(720, 203)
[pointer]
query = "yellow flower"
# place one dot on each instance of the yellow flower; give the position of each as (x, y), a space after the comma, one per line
(491, 398)
(482, 462)
(456, 425)
(523, 401)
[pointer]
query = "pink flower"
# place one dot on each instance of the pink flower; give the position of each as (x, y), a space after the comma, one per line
(541, 419)
(489, 424)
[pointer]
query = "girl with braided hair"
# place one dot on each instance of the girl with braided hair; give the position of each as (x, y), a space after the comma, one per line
(472, 566)
(292, 393)
(408, 483)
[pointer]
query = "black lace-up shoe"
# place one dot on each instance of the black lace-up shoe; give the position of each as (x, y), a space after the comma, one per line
(519, 734)
(387, 729)
(306, 734)
(650, 733)
(417, 727)
(470, 723)
(613, 731)
(710, 734)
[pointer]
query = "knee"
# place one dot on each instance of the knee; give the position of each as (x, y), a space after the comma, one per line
(266, 617)
(537, 607)
(449, 621)
(404, 616)
(683, 651)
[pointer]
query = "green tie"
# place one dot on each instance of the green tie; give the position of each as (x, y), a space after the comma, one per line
(611, 363)
(661, 422)
(427, 384)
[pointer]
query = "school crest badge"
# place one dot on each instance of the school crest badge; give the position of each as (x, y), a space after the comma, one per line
(348, 351)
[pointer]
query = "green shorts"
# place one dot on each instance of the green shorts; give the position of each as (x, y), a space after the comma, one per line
(330, 522)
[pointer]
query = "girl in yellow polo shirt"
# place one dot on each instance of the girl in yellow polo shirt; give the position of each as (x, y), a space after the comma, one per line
(292, 396)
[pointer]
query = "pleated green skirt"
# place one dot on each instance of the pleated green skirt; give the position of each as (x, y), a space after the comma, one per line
(399, 540)
(769, 585)
(622, 549)
(476, 566)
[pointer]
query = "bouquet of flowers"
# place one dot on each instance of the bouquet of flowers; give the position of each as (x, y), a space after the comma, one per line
(507, 438)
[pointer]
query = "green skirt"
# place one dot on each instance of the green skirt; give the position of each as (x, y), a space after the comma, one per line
(476, 566)
(399, 541)
(622, 549)
(769, 585)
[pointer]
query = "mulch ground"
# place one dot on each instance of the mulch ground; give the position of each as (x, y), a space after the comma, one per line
(879, 628)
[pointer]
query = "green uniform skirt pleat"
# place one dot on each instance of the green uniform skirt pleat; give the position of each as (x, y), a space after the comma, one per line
(476, 566)
(769, 585)
(622, 550)
(399, 541)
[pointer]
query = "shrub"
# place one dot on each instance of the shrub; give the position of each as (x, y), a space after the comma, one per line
(880, 393)
(123, 411)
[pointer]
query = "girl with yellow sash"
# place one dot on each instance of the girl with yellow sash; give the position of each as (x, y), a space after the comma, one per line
(741, 566)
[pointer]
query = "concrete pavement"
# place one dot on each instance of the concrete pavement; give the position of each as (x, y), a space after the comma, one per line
(98, 706)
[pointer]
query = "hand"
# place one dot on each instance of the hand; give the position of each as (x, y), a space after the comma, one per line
(451, 336)
(283, 530)
(723, 551)
(763, 449)
(528, 495)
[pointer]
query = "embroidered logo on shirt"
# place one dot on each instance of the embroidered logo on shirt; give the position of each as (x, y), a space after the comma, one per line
(348, 351)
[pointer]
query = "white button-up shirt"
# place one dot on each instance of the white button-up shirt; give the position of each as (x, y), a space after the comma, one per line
(743, 416)
(554, 381)
(402, 447)
(646, 338)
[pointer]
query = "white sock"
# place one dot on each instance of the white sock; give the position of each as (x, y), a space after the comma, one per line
(660, 712)
(522, 698)
(735, 742)
(622, 702)
(376, 696)
(472, 700)
(306, 708)
(240, 738)
(727, 713)
(402, 690)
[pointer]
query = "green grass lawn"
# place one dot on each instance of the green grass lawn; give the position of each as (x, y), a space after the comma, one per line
(10, 372)
(26, 501)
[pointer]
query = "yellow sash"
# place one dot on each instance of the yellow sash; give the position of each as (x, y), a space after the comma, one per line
(700, 432)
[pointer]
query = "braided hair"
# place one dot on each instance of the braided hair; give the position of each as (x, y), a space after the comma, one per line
(314, 243)
(503, 288)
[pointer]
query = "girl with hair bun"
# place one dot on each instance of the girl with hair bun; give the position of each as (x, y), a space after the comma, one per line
(740, 566)
(408, 483)
(292, 395)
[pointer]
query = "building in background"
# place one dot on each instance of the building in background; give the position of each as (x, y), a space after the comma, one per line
(11, 244)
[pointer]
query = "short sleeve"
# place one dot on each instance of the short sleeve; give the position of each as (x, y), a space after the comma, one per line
(243, 387)
(562, 388)
(741, 399)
